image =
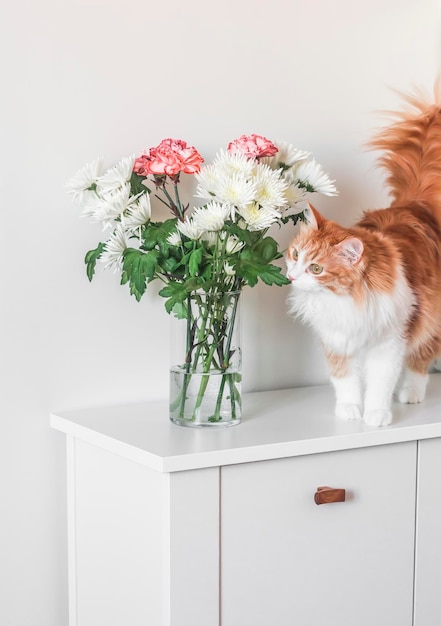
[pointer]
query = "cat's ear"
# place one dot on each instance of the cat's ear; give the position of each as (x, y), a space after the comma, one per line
(351, 250)
(313, 217)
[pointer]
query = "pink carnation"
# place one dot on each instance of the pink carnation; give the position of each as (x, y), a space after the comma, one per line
(253, 146)
(140, 166)
(169, 158)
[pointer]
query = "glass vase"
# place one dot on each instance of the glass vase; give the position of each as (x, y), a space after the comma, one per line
(205, 376)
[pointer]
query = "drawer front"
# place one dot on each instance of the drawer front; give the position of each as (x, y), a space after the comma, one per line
(428, 543)
(287, 560)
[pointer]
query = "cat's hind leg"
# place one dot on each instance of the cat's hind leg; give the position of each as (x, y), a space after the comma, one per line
(413, 382)
(412, 387)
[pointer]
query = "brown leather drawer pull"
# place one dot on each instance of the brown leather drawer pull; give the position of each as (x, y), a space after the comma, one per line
(326, 495)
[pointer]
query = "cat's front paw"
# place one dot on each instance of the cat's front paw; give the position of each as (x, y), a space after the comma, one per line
(377, 417)
(348, 412)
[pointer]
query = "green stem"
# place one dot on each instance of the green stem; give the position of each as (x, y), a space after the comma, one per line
(192, 357)
(226, 365)
(205, 378)
(219, 400)
(175, 208)
(209, 356)
(178, 200)
(231, 329)
(232, 395)
(188, 351)
(204, 325)
(201, 338)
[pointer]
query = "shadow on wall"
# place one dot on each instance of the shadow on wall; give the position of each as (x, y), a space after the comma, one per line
(278, 352)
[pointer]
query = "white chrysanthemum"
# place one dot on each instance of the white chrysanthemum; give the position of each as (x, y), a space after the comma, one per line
(116, 177)
(286, 157)
(108, 209)
(299, 207)
(258, 218)
(211, 217)
(112, 256)
(207, 182)
(138, 213)
(235, 190)
(294, 194)
(311, 174)
(91, 205)
(88, 200)
(233, 244)
(226, 179)
(174, 239)
(189, 229)
(85, 179)
(231, 163)
(211, 237)
(270, 188)
(229, 269)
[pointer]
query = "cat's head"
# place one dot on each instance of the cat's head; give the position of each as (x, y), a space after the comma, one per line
(324, 256)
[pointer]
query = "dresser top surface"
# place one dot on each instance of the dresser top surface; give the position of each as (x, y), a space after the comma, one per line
(275, 424)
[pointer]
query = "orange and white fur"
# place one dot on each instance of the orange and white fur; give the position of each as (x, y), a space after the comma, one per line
(373, 292)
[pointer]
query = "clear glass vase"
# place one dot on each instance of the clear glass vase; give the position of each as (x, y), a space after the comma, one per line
(205, 375)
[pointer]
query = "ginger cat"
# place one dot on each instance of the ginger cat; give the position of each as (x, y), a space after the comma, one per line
(373, 292)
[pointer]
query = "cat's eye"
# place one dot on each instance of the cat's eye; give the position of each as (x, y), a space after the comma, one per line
(294, 254)
(315, 268)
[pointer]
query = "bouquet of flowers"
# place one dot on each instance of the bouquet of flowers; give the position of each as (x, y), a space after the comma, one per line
(202, 253)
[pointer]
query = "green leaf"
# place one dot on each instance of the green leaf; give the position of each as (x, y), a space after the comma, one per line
(205, 272)
(247, 236)
(136, 184)
(268, 249)
(195, 261)
(138, 268)
(177, 292)
(91, 258)
(156, 234)
(169, 265)
(251, 267)
(247, 269)
(272, 275)
(180, 311)
(294, 218)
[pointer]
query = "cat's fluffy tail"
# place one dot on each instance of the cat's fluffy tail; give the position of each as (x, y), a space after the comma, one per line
(411, 149)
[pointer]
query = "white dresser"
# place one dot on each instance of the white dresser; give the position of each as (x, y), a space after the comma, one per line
(172, 526)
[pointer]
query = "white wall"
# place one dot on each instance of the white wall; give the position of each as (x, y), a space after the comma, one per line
(92, 77)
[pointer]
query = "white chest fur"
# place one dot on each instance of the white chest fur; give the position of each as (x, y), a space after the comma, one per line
(345, 325)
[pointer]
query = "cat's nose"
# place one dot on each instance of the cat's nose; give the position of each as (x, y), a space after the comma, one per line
(291, 278)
